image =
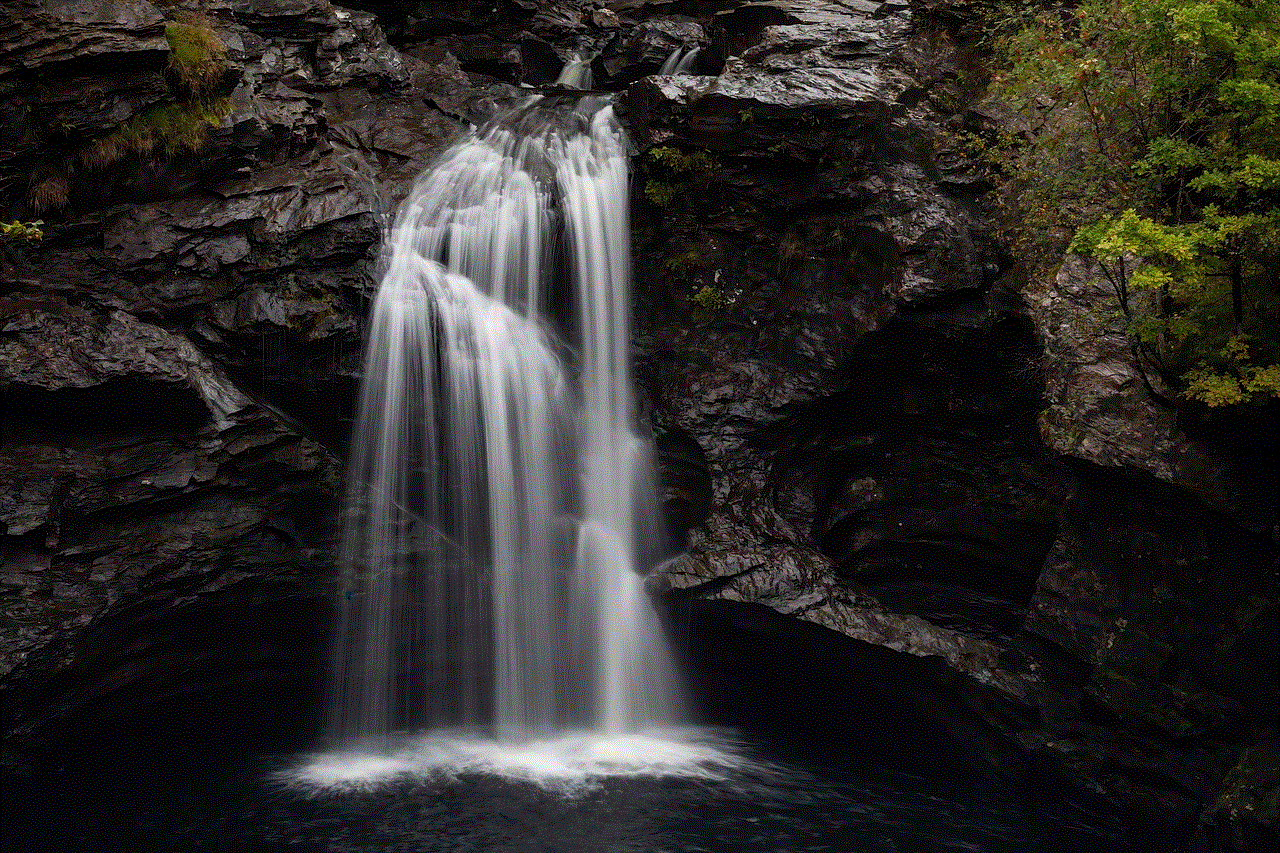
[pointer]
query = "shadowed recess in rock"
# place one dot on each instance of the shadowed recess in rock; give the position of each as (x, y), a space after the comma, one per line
(120, 406)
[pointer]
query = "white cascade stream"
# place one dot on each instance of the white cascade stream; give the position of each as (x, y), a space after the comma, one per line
(501, 502)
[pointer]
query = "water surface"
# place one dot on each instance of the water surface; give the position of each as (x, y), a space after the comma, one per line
(670, 792)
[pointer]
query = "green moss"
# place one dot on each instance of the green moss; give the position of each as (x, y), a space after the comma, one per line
(659, 192)
(674, 161)
(163, 131)
(708, 302)
(195, 54)
(683, 266)
(196, 68)
(167, 130)
(1191, 705)
(670, 170)
(711, 298)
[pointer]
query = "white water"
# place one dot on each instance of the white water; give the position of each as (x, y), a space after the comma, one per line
(500, 498)
(680, 61)
(571, 762)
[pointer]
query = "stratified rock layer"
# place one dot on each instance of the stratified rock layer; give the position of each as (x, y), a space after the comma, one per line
(186, 329)
(832, 323)
(864, 420)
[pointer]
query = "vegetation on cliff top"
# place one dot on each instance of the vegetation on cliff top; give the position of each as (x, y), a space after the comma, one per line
(1152, 143)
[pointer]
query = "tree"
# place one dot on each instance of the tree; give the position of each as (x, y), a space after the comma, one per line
(1167, 113)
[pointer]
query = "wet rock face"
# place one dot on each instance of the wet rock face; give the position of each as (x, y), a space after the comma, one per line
(814, 291)
(259, 239)
(862, 421)
(932, 476)
(135, 472)
(889, 425)
(649, 45)
(81, 39)
(1102, 406)
(186, 329)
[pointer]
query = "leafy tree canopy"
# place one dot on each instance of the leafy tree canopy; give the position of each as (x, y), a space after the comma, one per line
(1153, 137)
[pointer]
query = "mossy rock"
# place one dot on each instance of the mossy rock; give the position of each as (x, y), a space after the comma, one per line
(195, 54)
(1247, 810)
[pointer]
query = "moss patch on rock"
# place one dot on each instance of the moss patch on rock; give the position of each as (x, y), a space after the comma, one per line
(195, 54)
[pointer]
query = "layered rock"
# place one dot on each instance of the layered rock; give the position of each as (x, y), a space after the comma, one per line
(799, 231)
(189, 321)
(1102, 407)
(139, 478)
(834, 325)
(864, 422)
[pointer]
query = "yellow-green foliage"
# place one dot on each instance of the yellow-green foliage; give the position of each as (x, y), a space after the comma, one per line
(710, 298)
(163, 131)
(677, 162)
(195, 60)
(168, 130)
(659, 192)
(684, 266)
(195, 53)
(707, 302)
(1153, 135)
(16, 230)
(669, 168)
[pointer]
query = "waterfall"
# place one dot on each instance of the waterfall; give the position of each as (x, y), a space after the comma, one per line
(685, 65)
(679, 61)
(500, 499)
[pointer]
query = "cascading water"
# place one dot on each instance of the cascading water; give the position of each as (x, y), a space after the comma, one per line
(499, 495)
(680, 61)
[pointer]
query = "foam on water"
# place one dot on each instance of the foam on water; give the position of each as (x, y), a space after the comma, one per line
(570, 763)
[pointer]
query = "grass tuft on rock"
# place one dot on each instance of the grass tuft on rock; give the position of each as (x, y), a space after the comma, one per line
(195, 54)
(48, 192)
(169, 130)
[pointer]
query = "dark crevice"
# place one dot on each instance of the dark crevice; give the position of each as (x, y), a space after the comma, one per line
(123, 406)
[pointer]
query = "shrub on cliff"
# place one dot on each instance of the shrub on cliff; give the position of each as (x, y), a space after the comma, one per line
(1154, 138)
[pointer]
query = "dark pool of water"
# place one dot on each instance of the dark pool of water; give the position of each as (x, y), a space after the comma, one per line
(804, 803)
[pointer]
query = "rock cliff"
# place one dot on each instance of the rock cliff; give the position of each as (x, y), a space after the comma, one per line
(867, 417)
